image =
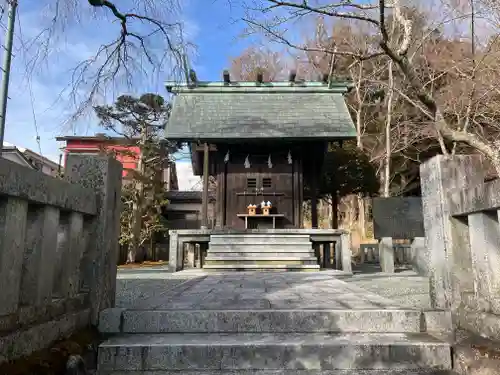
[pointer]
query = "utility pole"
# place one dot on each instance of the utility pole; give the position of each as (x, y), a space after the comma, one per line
(9, 36)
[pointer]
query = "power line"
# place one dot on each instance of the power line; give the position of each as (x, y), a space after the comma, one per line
(30, 87)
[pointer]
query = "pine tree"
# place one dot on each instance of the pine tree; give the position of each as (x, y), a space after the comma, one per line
(141, 120)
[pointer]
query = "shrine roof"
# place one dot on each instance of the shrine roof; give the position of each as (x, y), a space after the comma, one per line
(250, 110)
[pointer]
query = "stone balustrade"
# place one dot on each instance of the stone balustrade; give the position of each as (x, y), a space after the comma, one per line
(390, 254)
(58, 250)
(462, 230)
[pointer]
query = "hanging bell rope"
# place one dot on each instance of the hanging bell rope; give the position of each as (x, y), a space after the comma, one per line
(289, 157)
(269, 162)
(226, 158)
(247, 162)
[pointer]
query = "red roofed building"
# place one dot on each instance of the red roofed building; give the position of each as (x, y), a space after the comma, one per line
(124, 149)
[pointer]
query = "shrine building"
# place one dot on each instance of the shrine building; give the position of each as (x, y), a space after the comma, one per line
(261, 141)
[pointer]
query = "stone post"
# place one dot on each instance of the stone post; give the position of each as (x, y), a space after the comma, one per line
(13, 220)
(190, 255)
(484, 234)
(40, 260)
(197, 250)
(104, 175)
(173, 256)
(370, 254)
(419, 256)
(362, 255)
(345, 252)
(386, 254)
(317, 253)
(447, 245)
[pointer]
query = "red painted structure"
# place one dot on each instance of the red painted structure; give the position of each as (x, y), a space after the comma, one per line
(123, 149)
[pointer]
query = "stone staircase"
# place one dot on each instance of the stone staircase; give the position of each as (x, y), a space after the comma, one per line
(271, 342)
(237, 252)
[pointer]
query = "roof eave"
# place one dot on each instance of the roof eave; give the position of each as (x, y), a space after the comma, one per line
(277, 87)
(221, 138)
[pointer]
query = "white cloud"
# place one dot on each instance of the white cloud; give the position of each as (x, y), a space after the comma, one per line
(187, 181)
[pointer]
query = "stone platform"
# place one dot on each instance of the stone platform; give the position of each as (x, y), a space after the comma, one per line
(270, 323)
(260, 249)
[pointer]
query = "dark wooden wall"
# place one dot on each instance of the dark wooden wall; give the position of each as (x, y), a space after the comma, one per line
(282, 184)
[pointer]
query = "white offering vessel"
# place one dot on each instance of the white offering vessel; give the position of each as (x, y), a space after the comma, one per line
(263, 204)
(269, 203)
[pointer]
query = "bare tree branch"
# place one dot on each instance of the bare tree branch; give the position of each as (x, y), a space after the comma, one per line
(150, 40)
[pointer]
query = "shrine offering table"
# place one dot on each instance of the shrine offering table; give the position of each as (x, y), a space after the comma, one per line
(260, 218)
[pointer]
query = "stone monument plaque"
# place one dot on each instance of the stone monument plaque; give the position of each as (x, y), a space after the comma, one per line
(398, 217)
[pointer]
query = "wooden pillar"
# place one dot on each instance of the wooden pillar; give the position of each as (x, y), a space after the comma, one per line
(221, 192)
(204, 202)
(314, 195)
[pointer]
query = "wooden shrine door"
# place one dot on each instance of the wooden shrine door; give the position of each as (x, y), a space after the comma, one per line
(277, 187)
(245, 186)
(241, 190)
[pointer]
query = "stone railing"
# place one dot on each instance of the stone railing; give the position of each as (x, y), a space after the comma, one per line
(58, 249)
(461, 219)
(390, 255)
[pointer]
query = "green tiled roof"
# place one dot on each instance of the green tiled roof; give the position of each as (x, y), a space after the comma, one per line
(248, 110)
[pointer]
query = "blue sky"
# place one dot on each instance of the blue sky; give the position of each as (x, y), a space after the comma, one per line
(36, 105)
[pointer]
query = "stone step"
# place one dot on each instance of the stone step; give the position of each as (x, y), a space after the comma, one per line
(112, 321)
(260, 262)
(261, 257)
(257, 267)
(285, 247)
(286, 372)
(150, 352)
(259, 254)
(260, 235)
(259, 239)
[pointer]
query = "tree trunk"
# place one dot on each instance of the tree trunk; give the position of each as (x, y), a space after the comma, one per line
(361, 216)
(387, 164)
(359, 110)
(138, 201)
(335, 211)
(131, 253)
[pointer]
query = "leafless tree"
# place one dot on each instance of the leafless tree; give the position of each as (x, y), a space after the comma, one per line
(402, 47)
(246, 66)
(150, 41)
